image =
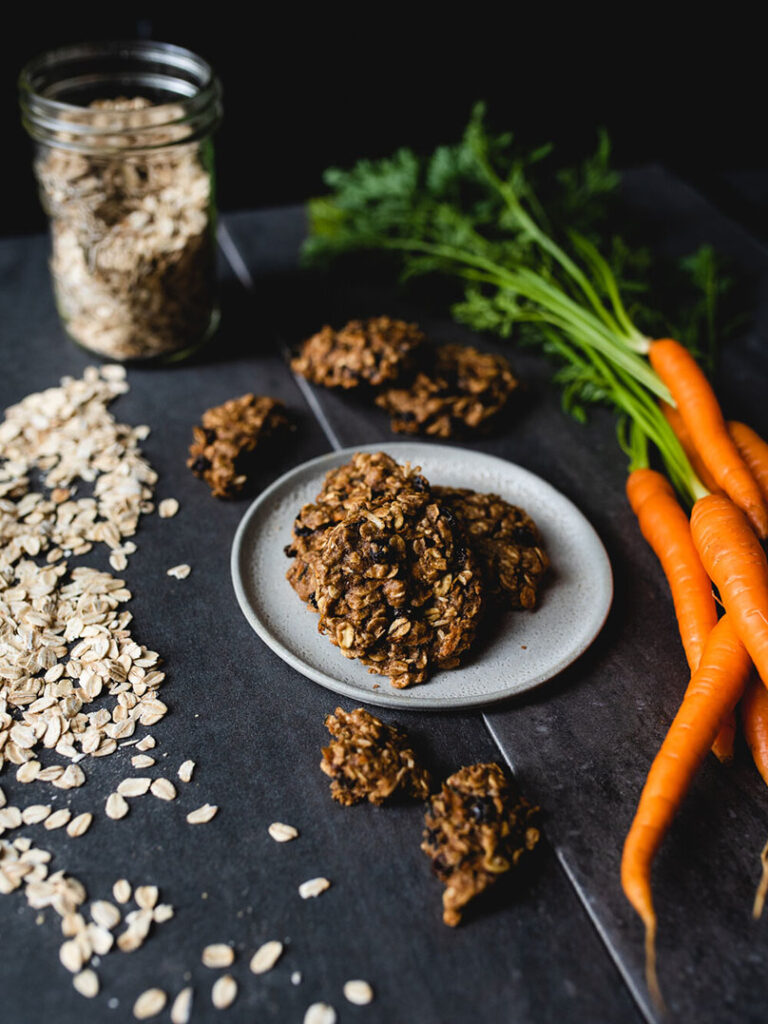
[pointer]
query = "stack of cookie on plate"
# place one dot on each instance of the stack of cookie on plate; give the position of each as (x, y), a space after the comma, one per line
(439, 390)
(401, 572)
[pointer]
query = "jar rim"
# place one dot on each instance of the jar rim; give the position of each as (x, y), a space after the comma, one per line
(192, 107)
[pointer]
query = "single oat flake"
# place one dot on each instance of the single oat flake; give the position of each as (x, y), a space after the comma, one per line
(167, 508)
(137, 786)
(282, 833)
(181, 1010)
(180, 572)
(266, 956)
(218, 955)
(116, 806)
(87, 983)
(121, 890)
(79, 826)
(149, 1004)
(163, 789)
(224, 992)
(185, 771)
(313, 887)
(358, 992)
(320, 1013)
(202, 815)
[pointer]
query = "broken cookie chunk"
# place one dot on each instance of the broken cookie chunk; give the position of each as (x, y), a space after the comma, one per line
(463, 391)
(368, 760)
(373, 352)
(477, 828)
(222, 451)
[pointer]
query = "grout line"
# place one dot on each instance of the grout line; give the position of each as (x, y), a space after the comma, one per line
(243, 274)
(637, 994)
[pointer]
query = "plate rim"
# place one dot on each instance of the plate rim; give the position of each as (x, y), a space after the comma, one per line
(398, 698)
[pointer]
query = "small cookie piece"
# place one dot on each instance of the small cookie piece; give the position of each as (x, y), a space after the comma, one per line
(227, 438)
(398, 588)
(463, 391)
(367, 477)
(368, 760)
(506, 541)
(373, 352)
(477, 827)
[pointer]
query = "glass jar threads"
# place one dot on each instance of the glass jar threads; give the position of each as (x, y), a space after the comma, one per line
(123, 138)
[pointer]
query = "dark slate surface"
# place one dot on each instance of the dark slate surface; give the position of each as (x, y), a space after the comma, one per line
(583, 743)
(255, 728)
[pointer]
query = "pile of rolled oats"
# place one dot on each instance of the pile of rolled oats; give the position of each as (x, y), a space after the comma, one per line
(133, 259)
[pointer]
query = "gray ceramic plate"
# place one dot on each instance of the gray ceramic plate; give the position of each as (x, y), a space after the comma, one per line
(523, 649)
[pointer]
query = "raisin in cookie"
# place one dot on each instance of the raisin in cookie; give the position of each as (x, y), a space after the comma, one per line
(398, 588)
(477, 828)
(463, 391)
(367, 477)
(223, 446)
(374, 352)
(505, 540)
(368, 760)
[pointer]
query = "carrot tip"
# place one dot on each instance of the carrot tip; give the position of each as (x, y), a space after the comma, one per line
(762, 888)
(651, 977)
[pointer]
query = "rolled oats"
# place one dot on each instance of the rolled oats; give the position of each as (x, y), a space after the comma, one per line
(79, 826)
(116, 806)
(266, 956)
(58, 819)
(137, 786)
(168, 508)
(313, 887)
(121, 890)
(181, 1010)
(202, 815)
(358, 992)
(163, 789)
(218, 955)
(282, 833)
(179, 572)
(320, 1013)
(186, 768)
(224, 992)
(87, 983)
(149, 1004)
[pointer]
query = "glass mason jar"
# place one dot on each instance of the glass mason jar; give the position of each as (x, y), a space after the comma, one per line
(123, 138)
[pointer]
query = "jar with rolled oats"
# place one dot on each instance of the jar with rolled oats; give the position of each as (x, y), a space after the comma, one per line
(123, 137)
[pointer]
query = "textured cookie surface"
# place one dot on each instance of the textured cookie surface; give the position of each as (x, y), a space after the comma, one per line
(397, 587)
(506, 541)
(476, 829)
(374, 351)
(463, 391)
(368, 760)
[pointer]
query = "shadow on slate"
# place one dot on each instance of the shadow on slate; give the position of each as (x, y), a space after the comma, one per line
(255, 729)
(582, 744)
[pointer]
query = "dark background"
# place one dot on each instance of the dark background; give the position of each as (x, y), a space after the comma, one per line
(303, 91)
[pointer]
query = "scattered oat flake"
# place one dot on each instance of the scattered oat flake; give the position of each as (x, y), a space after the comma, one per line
(282, 833)
(182, 1007)
(121, 890)
(117, 806)
(79, 826)
(163, 912)
(146, 744)
(149, 1004)
(185, 771)
(224, 992)
(146, 896)
(137, 786)
(35, 813)
(167, 508)
(58, 819)
(163, 789)
(180, 572)
(266, 956)
(218, 954)
(87, 983)
(71, 955)
(313, 887)
(320, 1013)
(202, 814)
(142, 761)
(358, 992)
(105, 914)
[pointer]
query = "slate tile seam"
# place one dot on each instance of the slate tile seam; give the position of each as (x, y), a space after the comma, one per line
(242, 273)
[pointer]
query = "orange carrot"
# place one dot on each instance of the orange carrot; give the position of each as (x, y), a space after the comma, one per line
(736, 563)
(713, 691)
(680, 430)
(665, 526)
(725, 741)
(704, 421)
(754, 717)
(754, 450)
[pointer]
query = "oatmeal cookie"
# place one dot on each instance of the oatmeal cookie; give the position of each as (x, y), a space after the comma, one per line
(505, 540)
(367, 477)
(368, 760)
(477, 827)
(463, 391)
(398, 588)
(373, 352)
(227, 438)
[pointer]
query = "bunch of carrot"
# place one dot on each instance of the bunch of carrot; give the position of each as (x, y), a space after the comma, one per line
(720, 545)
